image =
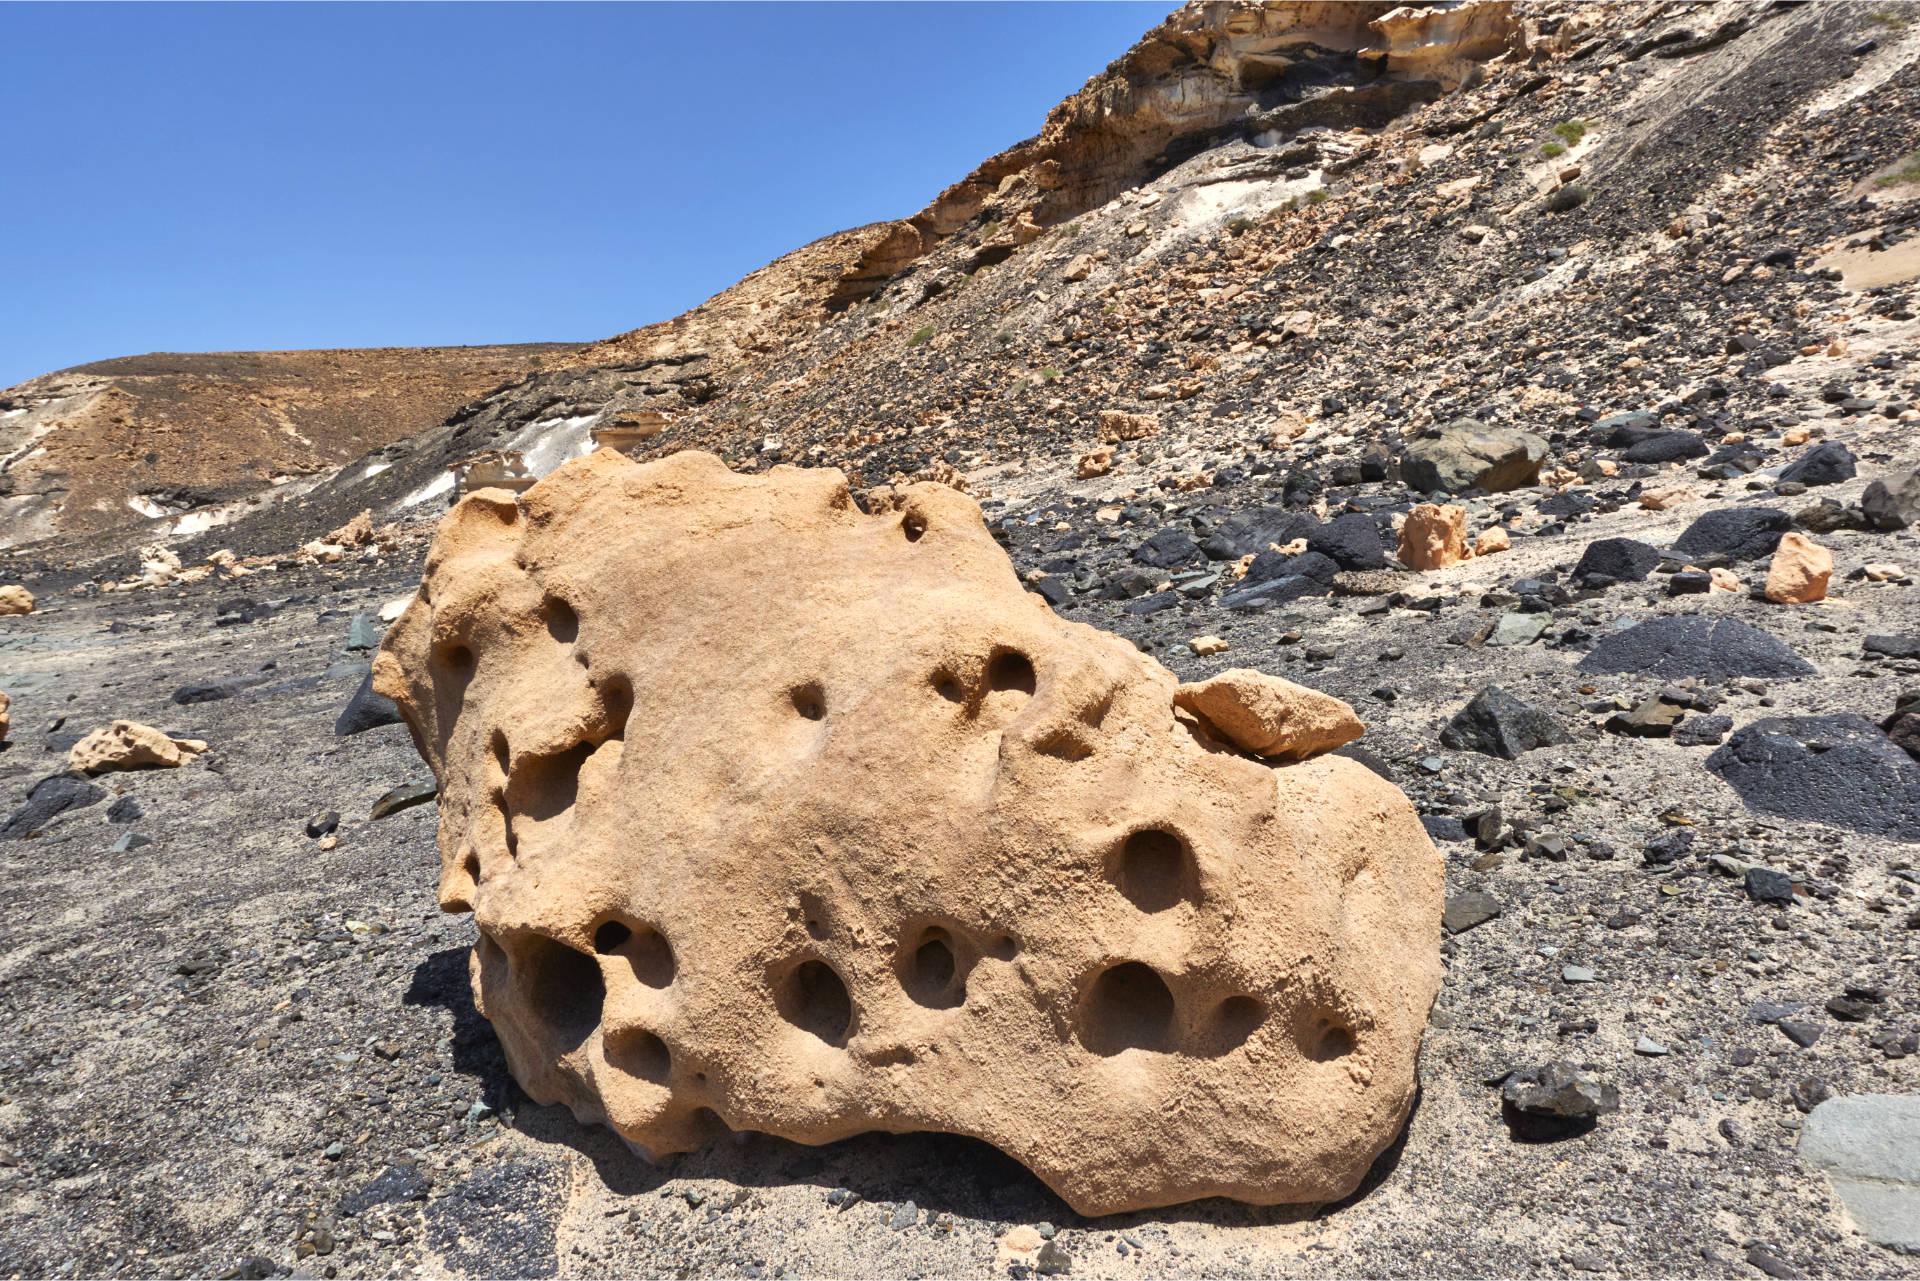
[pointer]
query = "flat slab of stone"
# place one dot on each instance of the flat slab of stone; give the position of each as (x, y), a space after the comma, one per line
(1868, 1146)
(1713, 649)
(1840, 770)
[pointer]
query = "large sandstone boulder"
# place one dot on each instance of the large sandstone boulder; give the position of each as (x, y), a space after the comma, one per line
(896, 848)
(1469, 454)
(15, 599)
(1434, 537)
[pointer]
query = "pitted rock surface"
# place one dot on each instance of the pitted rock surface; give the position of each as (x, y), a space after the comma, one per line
(778, 816)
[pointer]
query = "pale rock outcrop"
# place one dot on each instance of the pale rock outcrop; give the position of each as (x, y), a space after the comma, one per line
(130, 745)
(1799, 570)
(357, 532)
(1434, 537)
(1095, 462)
(159, 566)
(1117, 425)
(897, 848)
(15, 599)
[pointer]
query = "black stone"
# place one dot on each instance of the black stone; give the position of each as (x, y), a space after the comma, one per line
(403, 797)
(1351, 541)
(1825, 464)
(50, 797)
(368, 709)
(1250, 533)
(1892, 646)
(1615, 560)
(1153, 604)
(1839, 770)
(1703, 731)
(1468, 909)
(1499, 724)
(1168, 549)
(125, 810)
(214, 691)
(1765, 885)
(1667, 447)
(396, 1183)
(1738, 533)
(1693, 645)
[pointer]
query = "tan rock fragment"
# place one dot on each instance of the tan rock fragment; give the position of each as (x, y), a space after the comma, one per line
(5, 716)
(357, 532)
(1494, 538)
(1079, 267)
(1726, 580)
(1206, 645)
(1434, 537)
(1795, 436)
(897, 848)
(1095, 462)
(130, 745)
(1667, 496)
(1799, 571)
(1882, 571)
(1117, 425)
(1269, 716)
(15, 599)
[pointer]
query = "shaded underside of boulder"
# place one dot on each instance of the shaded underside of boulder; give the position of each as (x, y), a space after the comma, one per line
(1839, 770)
(1712, 649)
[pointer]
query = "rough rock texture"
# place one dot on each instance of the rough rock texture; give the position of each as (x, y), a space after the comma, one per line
(1497, 723)
(1868, 1146)
(1713, 649)
(15, 599)
(1434, 537)
(1893, 501)
(927, 857)
(5, 718)
(1738, 533)
(1799, 571)
(1838, 770)
(1269, 716)
(1607, 561)
(1469, 454)
(1828, 463)
(130, 745)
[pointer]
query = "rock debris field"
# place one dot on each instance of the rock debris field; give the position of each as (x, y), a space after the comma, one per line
(1551, 400)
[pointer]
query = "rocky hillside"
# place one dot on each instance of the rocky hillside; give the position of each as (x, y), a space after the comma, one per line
(166, 436)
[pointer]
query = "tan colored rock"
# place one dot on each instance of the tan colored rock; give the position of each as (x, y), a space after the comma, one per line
(1269, 716)
(1434, 537)
(1079, 267)
(1726, 580)
(1795, 436)
(1494, 538)
(1799, 570)
(896, 847)
(1207, 645)
(1095, 462)
(130, 745)
(357, 532)
(15, 599)
(1117, 425)
(159, 565)
(6, 718)
(1666, 497)
(1883, 571)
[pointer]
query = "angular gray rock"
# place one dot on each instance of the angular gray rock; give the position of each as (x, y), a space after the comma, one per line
(1824, 464)
(1469, 454)
(1868, 1146)
(1559, 1090)
(1713, 649)
(50, 797)
(1893, 501)
(365, 710)
(1839, 770)
(1499, 724)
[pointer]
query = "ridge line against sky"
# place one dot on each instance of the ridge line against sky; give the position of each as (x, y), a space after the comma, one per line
(278, 176)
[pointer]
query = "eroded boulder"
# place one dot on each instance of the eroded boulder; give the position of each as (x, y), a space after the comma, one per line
(1434, 537)
(130, 745)
(895, 847)
(15, 599)
(1469, 454)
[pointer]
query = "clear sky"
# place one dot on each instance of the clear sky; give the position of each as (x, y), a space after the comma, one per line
(222, 177)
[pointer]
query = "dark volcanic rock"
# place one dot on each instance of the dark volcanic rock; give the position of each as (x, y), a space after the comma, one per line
(49, 798)
(1615, 560)
(214, 691)
(1499, 724)
(367, 709)
(1826, 464)
(1271, 565)
(1892, 646)
(1667, 447)
(1351, 541)
(1738, 533)
(1468, 909)
(1559, 1090)
(1893, 501)
(1712, 649)
(1250, 533)
(1702, 731)
(1839, 770)
(1168, 549)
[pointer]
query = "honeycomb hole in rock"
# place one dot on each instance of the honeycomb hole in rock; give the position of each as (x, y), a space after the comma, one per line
(455, 657)
(1155, 871)
(1238, 1018)
(814, 910)
(502, 754)
(815, 999)
(638, 1052)
(563, 624)
(616, 700)
(931, 971)
(809, 700)
(949, 688)
(1129, 1007)
(914, 526)
(1325, 1037)
(1010, 686)
(562, 985)
(545, 787)
(1004, 947)
(643, 947)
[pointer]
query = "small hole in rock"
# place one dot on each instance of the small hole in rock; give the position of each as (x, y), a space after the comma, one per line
(563, 986)
(1236, 1020)
(1004, 948)
(610, 936)
(617, 698)
(1011, 672)
(472, 866)
(562, 623)
(931, 974)
(639, 1052)
(1154, 870)
(810, 701)
(1333, 1042)
(949, 688)
(502, 754)
(814, 999)
(458, 657)
(1129, 1007)
(913, 527)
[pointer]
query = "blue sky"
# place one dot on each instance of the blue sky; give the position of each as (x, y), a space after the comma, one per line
(224, 177)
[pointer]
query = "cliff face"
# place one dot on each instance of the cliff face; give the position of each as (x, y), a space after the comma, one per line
(154, 437)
